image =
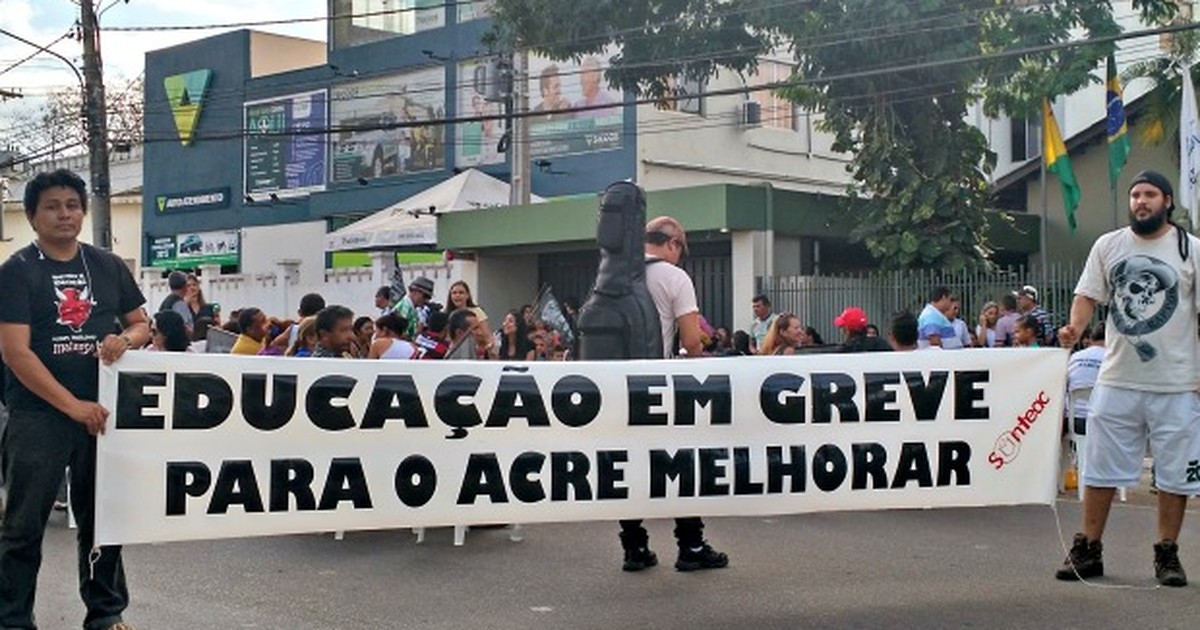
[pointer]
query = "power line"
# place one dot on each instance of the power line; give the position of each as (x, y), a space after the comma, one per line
(648, 127)
(37, 155)
(840, 38)
(284, 21)
(216, 95)
(743, 91)
(778, 85)
(237, 94)
(35, 53)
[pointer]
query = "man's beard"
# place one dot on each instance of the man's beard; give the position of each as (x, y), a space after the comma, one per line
(1149, 225)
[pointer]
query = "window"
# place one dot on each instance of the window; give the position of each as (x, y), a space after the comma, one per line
(1018, 140)
(357, 22)
(474, 9)
(776, 111)
(1025, 137)
(690, 93)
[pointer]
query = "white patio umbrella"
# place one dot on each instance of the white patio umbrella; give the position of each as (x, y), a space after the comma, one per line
(413, 222)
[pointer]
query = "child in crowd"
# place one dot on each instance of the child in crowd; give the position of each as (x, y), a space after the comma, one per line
(1028, 332)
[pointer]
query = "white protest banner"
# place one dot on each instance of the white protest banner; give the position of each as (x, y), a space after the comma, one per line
(204, 446)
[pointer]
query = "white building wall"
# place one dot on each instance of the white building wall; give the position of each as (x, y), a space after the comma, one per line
(677, 149)
(277, 292)
(504, 283)
(265, 247)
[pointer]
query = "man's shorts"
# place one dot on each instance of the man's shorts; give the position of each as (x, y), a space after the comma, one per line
(1121, 421)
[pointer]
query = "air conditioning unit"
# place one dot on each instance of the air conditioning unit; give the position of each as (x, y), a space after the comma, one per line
(750, 114)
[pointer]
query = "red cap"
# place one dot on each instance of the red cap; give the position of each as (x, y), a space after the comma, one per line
(853, 318)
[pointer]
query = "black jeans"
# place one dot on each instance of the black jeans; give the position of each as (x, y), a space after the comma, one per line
(689, 533)
(37, 446)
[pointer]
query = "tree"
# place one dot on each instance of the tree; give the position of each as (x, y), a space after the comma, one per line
(1160, 118)
(894, 78)
(54, 125)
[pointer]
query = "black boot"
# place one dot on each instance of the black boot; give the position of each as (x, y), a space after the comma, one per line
(636, 544)
(1085, 560)
(1167, 568)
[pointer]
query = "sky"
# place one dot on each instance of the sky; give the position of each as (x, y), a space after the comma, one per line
(123, 53)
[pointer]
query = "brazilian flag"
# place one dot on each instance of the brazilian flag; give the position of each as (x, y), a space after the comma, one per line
(1118, 132)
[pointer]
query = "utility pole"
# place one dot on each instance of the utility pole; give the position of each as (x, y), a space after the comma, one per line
(519, 184)
(96, 113)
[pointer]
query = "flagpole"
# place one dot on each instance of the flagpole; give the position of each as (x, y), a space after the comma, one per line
(1116, 216)
(1045, 205)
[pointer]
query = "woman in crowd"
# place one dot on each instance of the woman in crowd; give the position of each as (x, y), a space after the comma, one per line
(200, 307)
(169, 333)
(785, 335)
(514, 338)
(811, 338)
(389, 339)
(460, 297)
(541, 347)
(741, 344)
(722, 343)
(541, 328)
(985, 330)
(364, 333)
(306, 339)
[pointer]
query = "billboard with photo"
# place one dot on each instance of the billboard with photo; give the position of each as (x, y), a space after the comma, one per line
(387, 126)
(193, 249)
(477, 142)
(555, 86)
(282, 156)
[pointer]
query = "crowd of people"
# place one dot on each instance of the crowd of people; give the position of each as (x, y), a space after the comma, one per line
(1016, 319)
(413, 327)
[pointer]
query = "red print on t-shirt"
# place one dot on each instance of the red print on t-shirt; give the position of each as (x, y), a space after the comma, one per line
(74, 307)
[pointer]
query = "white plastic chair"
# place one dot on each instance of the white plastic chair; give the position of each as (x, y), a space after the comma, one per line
(516, 533)
(1078, 441)
(460, 534)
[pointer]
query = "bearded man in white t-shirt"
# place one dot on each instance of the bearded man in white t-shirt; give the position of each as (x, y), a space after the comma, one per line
(1147, 385)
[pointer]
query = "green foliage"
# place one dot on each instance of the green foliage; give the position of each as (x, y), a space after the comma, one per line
(1159, 120)
(890, 75)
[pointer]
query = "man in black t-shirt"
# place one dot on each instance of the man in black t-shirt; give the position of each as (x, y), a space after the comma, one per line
(66, 304)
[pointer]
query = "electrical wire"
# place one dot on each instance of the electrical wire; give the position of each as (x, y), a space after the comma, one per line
(921, 91)
(283, 21)
(644, 101)
(232, 93)
(859, 74)
(35, 53)
(237, 92)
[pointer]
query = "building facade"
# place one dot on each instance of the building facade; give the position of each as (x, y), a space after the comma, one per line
(259, 145)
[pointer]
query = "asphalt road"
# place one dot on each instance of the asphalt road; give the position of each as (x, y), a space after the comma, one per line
(988, 568)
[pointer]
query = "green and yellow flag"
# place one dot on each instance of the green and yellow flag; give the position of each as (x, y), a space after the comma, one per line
(1118, 132)
(1054, 152)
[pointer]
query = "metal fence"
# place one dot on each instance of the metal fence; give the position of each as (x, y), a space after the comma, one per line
(817, 300)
